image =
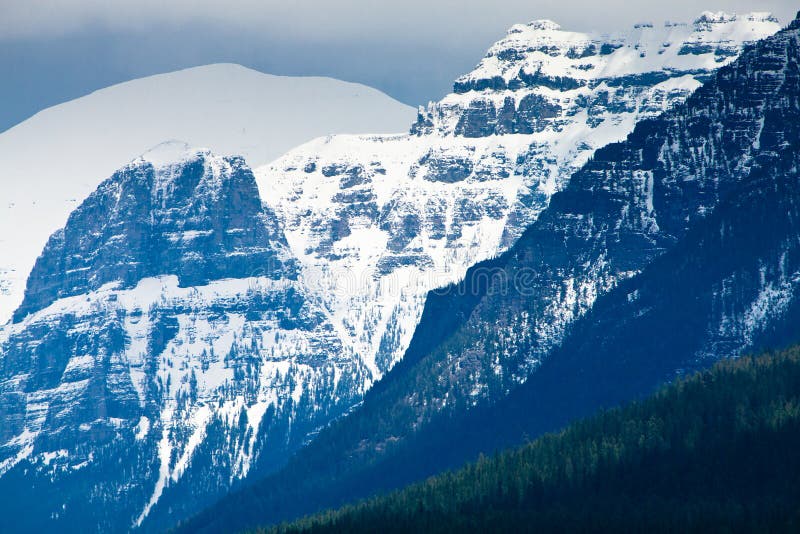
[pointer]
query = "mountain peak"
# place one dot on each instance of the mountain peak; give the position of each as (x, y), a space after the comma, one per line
(760, 16)
(539, 62)
(198, 216)
(714, 238)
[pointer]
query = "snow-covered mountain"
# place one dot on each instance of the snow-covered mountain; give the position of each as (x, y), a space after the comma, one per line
(180, 328)
(378, 221)
(52, 161)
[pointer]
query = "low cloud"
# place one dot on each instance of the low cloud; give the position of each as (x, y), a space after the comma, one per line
(439, 20)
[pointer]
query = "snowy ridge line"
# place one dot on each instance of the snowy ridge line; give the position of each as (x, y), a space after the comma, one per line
(540, 57)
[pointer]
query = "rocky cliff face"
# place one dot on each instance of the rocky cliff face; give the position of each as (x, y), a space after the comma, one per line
(538, 75)
(200, 219)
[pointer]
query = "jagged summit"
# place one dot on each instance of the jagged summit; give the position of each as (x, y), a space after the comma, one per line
(377, 221)
(175, 210)
(759, 16)
(164, 328)
(666, 251)
(540, 71)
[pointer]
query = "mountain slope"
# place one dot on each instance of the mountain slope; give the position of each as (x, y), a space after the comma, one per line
(629, 205)
(730, 285)
(67, 150)
(736, 137)
(713, 451)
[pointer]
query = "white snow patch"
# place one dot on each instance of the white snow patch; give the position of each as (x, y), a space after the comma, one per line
(142, 428)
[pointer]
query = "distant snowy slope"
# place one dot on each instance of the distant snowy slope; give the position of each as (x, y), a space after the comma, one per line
(52, 161)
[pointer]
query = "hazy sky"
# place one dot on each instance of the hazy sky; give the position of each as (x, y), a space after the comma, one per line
(55, 50)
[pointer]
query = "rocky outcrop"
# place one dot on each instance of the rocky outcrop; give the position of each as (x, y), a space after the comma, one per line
(200, 219)
(525, 82)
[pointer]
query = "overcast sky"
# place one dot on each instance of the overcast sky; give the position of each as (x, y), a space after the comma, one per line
(55, 50)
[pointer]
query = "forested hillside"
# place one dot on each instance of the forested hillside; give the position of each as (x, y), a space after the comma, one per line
(717, 450)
